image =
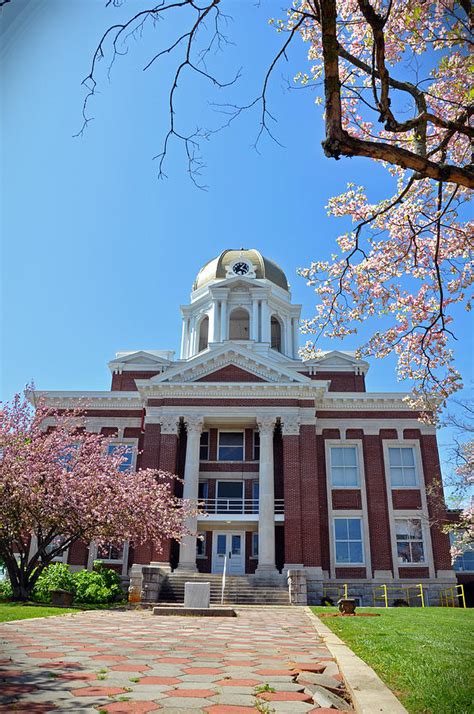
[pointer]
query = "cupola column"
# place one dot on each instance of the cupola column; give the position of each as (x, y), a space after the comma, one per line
(224, 326)
(213, 322)
(254, 330)
(187, 551)
(265, 322)
(266, 510)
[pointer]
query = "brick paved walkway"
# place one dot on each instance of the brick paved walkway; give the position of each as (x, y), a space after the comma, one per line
(267, 660)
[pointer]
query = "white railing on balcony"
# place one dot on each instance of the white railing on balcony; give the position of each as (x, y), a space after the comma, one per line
(236, 505)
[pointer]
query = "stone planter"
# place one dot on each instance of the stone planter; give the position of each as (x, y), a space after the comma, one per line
(346, 606)
(61, 598)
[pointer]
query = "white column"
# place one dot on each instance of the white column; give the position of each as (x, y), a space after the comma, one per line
(265, 322)
(187, 550)
(224, 326)
(288, 337)
(254, 331)
(294, 322)
(213, 323)
(184, 338)
(266, 511)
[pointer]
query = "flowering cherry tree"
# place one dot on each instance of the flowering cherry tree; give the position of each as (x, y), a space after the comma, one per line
(394, 88)
(59, 485)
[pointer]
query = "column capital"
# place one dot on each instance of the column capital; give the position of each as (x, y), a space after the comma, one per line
(290, 426)
(169, 423)
(194, 424)
(266, 424)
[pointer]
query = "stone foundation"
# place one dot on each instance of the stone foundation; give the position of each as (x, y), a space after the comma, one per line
(364, 591)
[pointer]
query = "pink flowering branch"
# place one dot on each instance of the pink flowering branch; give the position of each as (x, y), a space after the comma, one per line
(60, 485)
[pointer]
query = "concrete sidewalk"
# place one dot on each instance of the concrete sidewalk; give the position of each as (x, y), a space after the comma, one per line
(266, 659)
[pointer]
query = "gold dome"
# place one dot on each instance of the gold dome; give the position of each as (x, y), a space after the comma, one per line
(216, 269)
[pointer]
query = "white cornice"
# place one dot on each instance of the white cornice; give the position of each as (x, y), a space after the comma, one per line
(231, 390)
(89, 400)
(363, 401)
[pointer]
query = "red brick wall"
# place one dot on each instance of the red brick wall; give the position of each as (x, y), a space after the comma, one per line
(125, 382)
(213, 444)
(346, 498)
(292, 496)
(322, 497)
(229, 466)
(310, 500)
(379, 529)
(436, 505)
(343, 381)
(78, 553)
(351, 573)
(409, 498)
(413, 573)
(231, 373)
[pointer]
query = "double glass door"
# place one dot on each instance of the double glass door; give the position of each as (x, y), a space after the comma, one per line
(232, 545)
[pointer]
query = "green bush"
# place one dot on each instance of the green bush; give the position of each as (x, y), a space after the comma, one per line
(6, 590)
(100, 585)
(56, 576)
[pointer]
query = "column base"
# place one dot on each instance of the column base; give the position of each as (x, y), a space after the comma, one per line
(266, 569)
(187, 567)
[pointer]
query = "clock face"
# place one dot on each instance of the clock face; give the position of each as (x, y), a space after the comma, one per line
(240, 268)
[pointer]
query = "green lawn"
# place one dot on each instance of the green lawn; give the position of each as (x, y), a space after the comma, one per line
(424, 655)
(18, 611)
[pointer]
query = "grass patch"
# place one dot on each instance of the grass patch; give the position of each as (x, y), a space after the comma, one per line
(23, 611)
(423, 654)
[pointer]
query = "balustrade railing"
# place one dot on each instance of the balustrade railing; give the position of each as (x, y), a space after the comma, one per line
(236, 505)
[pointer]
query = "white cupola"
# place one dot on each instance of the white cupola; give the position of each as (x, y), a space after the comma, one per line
(240, 296)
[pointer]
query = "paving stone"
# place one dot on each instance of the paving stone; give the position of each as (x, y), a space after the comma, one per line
(325, 698)
(322, 679)
(184, 692)
(238, 682)
(97, 691)
(234, 699)
(285, 697)
(131, 707)
(229, 709)
(182, 703)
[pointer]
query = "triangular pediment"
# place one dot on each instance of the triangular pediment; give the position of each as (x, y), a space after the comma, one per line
(337, 360)
(141, 360)
(232, 363)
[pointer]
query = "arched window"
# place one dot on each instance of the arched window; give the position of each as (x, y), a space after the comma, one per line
(239, 325)
(203, 334)
(275, 327)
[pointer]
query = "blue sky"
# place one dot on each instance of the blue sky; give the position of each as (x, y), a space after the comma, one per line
(97, 252)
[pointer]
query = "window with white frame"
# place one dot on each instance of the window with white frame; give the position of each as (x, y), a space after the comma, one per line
(409, 535)
(255, 545)
(204, 447)
(203, 490)
(348, 541)
(344, 467)
(126, 453)
(402, 465)
(255, 496)
(256, 446)
(57, 543)
(465, 561)
(110, 553)
(231, 446)
(201, 542)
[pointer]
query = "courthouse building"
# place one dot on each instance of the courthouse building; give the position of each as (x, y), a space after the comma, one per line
(297, 465)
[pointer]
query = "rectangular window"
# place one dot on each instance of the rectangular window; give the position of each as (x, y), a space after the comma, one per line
(203, 490)
(255, 496)
(254, 545)
(57, 543)
(409, 540)
(108, 552)
(201, 542)
(465, 561)
(348, 541)
(256, 446)
(402, 466)
(127, 455)
(204, 446)
(231, 446)
(230, 496)
(344, 468)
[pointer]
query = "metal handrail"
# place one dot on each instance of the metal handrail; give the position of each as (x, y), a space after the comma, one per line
(236, 505)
